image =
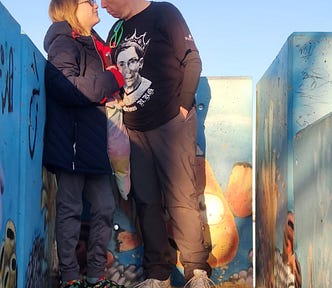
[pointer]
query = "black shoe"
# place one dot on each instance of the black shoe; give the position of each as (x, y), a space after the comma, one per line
(104, 283)
(73, 284)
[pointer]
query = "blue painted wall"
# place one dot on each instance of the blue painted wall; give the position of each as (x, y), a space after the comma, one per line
(294, 93)
(21, 128)
(224, 109)
(224, 163)
(312, 180)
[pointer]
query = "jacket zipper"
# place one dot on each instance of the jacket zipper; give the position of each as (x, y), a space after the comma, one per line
(101, 59)
(74, 147)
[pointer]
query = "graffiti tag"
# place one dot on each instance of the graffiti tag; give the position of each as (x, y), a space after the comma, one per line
(8, 74)
(33, 112)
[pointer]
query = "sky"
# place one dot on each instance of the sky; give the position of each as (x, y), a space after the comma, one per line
(234, 38)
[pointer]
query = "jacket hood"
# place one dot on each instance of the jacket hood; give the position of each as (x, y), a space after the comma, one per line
(55, 30)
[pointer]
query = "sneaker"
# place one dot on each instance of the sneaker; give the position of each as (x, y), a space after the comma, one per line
(154, 283)
(200, 280)
(72, 284)
(104, 283)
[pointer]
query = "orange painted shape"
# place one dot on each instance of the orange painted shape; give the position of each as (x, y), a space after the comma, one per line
(239, 190)
(217, 216)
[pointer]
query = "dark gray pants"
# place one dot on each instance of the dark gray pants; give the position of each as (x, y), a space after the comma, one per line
(69, 205)
(163, 174)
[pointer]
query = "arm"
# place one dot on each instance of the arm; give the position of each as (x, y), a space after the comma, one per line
(192, 71)
(187, 54)
(66, 80)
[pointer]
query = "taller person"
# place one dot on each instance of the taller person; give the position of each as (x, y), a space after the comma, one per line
(158, 58)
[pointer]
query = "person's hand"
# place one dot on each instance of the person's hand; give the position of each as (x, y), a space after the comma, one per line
(118, 98)
(111, 103)
(184, 112)
(120, 102)
(115, 100)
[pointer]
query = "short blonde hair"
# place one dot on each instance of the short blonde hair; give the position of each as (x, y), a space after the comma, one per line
(65, 10)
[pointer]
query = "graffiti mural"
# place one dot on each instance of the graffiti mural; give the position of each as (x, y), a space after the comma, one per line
(226, 211)
(48, 193)
(6, 78)
(33, 109)
(277, 265)
(9, 139)
(291, 177)
(2, 190)
(218, 211)
(125, 251)
(8, 263)
(125, 254)
(37, 268)
(9, 257)
(225, 176)
(313, 182)
(21, 128)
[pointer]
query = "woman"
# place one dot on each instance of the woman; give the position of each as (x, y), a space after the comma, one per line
(75, 145)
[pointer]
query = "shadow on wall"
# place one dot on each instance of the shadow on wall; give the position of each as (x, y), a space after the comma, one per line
(203, 97)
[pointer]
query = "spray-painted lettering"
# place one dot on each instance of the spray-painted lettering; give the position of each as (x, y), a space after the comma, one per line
(6, 77)
(33, 111)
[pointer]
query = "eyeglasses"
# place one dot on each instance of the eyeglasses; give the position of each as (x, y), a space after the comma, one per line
(91, 2)
(117, 34)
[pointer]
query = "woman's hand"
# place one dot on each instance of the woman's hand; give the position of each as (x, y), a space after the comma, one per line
(116, 99)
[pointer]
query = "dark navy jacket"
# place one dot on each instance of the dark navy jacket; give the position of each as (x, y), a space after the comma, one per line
(75, 132)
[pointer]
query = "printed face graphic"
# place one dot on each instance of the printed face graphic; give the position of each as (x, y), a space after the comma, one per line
(129, 64)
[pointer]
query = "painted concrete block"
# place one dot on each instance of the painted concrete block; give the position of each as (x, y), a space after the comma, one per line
(10, 78)
(21, 138)
(294, 92)
(313, 202)
(224, 172)
(224, 110)
(32, 245)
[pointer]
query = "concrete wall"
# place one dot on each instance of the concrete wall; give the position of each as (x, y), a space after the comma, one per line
(224, 107)
(224, 163)
(22, 230)
(313, 202)
(294, 93)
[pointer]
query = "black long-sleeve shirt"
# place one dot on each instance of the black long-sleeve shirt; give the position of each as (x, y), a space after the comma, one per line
(158, 53)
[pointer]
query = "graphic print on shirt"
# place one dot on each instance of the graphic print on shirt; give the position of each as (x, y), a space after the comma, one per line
(129, 58)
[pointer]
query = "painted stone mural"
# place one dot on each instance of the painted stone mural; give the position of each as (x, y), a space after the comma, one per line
(22, 119)
(8, 263)
(293, 96)
(226, 212)
(312, 180)
(224, 153)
